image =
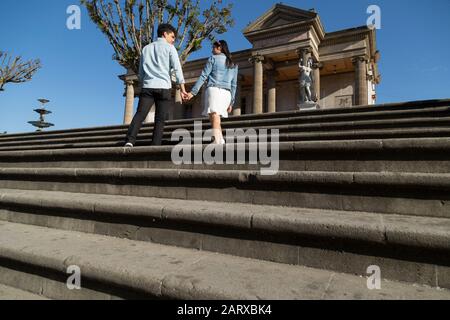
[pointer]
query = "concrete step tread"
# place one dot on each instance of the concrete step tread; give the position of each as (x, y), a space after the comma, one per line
(241, 177)
(178, 273)
(391, 107)
(389, 229)
(432, 114)
(290, 137)
(10, 293)
(342, 125)
(406, 144)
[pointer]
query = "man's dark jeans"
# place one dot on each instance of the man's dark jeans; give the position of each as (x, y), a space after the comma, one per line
(161, 98)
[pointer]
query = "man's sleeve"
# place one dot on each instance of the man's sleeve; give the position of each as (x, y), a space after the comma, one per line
(141, 68)
(175, 65)
(203, 77)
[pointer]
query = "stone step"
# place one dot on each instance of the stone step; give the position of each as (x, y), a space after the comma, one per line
(382, 192)
(342, 113)
(443, 122)
(340, 241)
(426, 155)
(421, 117)
(10, 293)
(37, 259)
(402, 133)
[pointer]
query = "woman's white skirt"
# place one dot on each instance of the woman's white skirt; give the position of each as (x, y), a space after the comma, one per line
(217, 100)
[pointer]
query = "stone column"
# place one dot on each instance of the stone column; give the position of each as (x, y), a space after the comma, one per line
(237, 105)
(257, 83)
(317, 68)
(272, 91)
(129, 102)
(361, 90)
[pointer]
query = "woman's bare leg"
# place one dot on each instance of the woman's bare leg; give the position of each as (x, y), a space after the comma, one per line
(217, 129)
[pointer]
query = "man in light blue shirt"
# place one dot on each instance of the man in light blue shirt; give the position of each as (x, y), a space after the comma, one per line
(158, 60)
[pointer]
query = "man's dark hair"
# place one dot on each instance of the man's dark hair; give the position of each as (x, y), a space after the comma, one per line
(166, 28)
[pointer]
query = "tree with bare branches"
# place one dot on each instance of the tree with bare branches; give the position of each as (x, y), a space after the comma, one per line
(14, 70)
(130, 25)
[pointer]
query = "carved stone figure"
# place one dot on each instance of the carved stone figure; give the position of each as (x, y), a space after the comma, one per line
(306, 81)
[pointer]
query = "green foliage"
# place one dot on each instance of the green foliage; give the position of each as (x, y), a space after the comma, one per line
(130, 25)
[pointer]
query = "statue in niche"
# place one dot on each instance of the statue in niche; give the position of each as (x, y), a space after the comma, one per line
(308, 97)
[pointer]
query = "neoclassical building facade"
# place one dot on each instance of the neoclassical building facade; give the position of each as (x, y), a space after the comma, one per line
(345, 69)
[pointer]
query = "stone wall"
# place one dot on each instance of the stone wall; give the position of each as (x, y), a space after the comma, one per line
(287, 95)
(337, 90)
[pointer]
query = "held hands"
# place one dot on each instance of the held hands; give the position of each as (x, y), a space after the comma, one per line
(186, 96)
(183, 95)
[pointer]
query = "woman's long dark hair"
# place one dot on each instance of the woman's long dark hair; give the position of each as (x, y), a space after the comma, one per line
(226, 51)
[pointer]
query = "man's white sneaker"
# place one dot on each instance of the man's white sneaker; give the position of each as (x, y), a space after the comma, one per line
(129, 145)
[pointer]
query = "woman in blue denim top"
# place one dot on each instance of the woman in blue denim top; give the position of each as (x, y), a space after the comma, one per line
(221, 74)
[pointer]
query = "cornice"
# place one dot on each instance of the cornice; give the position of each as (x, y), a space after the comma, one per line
(280, 30)
(344, 38)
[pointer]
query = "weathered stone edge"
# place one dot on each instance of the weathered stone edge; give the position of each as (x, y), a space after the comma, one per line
(376, 145)
(417, 181)
(378, 228)
(270, 124)
(404, 105)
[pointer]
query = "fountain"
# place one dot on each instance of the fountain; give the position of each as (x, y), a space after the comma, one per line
(41, 124)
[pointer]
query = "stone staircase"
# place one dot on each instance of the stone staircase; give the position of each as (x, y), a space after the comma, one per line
(356, 187)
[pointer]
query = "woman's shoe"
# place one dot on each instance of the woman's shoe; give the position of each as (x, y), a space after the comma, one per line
(216, 141)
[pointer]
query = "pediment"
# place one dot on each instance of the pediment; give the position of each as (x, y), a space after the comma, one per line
(280, 15)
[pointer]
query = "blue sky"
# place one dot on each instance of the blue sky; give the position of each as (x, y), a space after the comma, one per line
(80, 77)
